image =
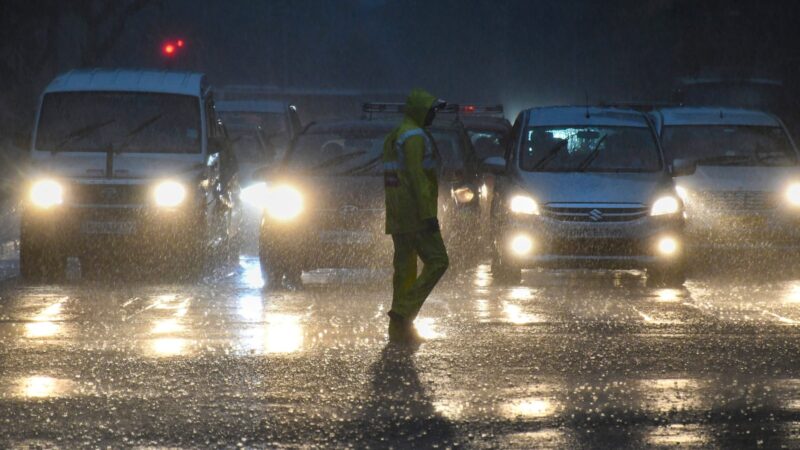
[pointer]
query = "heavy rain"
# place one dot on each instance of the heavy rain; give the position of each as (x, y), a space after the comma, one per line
(399, 224)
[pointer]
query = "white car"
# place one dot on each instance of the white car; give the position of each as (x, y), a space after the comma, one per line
(127, 162)
(742, 180)
(585, 187)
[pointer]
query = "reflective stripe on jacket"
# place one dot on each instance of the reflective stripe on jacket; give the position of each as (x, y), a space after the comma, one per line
(409, 163)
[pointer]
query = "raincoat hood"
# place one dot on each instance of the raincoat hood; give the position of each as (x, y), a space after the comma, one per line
(418, 104)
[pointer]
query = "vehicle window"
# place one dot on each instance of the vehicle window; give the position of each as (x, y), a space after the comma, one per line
(451, 148)
(590, 149)
(252, 144)
(730, 145)
(272, 123)
(123, 121)
(487, 143)
(347, 152)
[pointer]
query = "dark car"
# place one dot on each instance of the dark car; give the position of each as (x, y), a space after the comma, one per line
(324, 203)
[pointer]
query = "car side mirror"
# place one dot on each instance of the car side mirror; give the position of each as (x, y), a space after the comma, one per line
(683, 167)
(494, 164)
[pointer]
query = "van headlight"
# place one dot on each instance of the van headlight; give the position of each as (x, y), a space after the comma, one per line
(255, 195)
(793, 194)
(47, 193)
(666, 205)
(283, 203)
(523, 204)
(169, 194)
(464, 194)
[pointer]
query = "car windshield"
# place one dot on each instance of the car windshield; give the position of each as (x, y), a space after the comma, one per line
(451, 148)
(353, 151)
(730, 145)
(487, 143)
(590, 149)
(134, 122)
(271, 123)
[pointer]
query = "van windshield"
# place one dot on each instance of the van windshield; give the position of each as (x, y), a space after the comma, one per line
(589, 149)
(729, 145)
(134, 122)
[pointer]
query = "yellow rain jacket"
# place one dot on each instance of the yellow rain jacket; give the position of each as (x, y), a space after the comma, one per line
(409, 169)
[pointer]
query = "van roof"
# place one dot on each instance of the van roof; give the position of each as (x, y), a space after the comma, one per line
(265, 106)
(715, 116)
(577, 115)
(130, 80)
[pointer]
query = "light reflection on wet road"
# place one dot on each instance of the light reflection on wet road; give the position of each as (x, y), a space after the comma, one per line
(567, 359)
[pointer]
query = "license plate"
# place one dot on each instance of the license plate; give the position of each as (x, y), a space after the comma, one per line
(346, 237)
(93, 227)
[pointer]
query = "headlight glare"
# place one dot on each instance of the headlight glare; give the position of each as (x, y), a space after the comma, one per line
(522, 204)
(666, 205)
(793, 194)
(169, 194)
(47, 193)
(283, 203)
(255, 195)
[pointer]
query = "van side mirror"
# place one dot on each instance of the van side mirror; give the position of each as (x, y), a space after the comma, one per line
(683, 167)
(494, 164)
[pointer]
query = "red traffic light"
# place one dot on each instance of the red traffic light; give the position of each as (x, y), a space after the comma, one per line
(170, 48)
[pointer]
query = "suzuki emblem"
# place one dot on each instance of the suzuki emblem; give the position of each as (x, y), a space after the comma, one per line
(596, 215)
(110, 193)
(348, 209)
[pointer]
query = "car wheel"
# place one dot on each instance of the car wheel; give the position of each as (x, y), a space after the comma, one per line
(503, 272)
(669, 277)
(39, 258)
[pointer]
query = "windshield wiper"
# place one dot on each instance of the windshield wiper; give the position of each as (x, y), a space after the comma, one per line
(592, 155)
(81, 133)
(724, 160)
(136, 130)
(550, 155)
(339, 159)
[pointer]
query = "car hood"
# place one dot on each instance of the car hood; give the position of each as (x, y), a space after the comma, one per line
(335, 192)
(739, 178)
(587, 187)
(126, 165)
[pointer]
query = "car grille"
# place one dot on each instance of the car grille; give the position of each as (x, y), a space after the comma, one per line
(352, 219)
(735, 200)
(595, 213)
(107, 194)
(596, 247)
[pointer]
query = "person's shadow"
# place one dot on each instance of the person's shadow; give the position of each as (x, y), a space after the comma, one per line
(399, 412)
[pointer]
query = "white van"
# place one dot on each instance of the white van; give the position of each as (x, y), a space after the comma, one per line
(128, 162)
(742, 180)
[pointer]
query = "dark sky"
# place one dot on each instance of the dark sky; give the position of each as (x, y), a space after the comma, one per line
(519, 52)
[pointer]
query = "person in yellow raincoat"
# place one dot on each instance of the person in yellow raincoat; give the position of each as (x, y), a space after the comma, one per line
(412, 190)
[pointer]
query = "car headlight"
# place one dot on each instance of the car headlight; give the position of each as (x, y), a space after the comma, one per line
(255, 195)
(283, 203)
(682, 192)
(464, 194)
(169, 194)
(665, 205)
(47, 193)
(793, 194)
(522, 204)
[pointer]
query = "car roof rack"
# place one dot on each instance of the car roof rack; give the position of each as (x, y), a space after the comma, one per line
(371, 108)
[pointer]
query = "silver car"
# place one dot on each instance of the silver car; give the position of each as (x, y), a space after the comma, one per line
(586, 187)
(741, 177)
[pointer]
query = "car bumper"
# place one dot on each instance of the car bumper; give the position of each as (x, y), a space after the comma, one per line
(612, 245)
(82, 230)
(743, 230)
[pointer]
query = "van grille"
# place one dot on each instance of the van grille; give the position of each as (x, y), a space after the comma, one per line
(107, 194)
(595, 213)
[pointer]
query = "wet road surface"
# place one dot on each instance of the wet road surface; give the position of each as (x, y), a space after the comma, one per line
(565, 360)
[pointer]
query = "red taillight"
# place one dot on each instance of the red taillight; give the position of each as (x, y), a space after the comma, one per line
(469, 108)
(169, 49)
(180, 43)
